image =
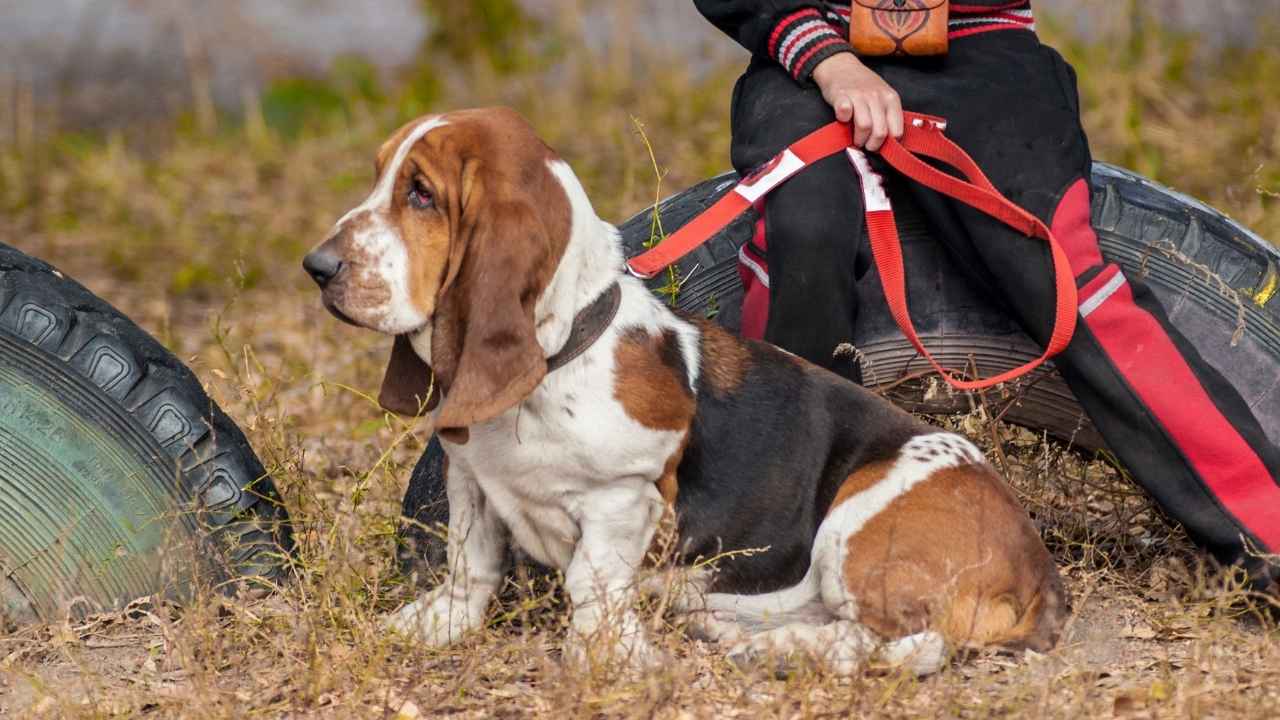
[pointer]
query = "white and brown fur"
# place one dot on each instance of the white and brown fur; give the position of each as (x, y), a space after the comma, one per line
(883, 534)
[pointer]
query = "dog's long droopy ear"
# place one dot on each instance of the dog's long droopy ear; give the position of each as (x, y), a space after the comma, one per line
(407, 388)
(484, 345)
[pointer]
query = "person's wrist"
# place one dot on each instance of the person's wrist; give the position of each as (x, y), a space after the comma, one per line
(823, 71)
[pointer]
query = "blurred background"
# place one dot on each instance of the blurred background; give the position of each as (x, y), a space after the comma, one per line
(101, 64)
(1178, 89)
(180, 157)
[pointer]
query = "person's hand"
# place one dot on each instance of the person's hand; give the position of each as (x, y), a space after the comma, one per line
(857, 93)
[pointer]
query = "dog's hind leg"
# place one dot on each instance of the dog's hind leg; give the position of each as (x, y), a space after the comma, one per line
(800, 603)
(817, 619)
(844, 647)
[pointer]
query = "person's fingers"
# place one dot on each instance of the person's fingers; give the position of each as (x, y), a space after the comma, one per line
(893, 106)
(843, 106)
(862, 123)
(879, 124)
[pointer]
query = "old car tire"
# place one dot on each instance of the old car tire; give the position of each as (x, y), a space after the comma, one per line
(119, 477)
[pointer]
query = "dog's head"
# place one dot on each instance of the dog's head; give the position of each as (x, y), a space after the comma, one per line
(449, 253)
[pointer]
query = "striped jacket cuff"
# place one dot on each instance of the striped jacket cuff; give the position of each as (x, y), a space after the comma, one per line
(803, 39)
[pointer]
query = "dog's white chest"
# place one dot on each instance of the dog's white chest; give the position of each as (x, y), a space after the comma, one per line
(543, 465)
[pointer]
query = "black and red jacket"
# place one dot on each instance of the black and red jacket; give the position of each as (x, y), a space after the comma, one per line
(799, 34)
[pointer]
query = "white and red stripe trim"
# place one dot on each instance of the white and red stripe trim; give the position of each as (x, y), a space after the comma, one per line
(760, 272)
(968, 20)
(786, 25)
(1016, 17)
(963, 25)
(802, 39)
(1101, 293)
(804, 34)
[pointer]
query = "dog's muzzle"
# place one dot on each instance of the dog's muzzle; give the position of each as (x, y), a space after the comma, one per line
(323, 266)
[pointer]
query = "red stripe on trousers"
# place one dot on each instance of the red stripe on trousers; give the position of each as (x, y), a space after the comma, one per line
(1143, 353)
(1072, 226)
(755, 302)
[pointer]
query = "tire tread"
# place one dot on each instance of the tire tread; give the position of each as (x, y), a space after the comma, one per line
(155, 392)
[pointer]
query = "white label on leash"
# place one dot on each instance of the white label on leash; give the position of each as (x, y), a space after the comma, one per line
(873, 193)
(770, 176)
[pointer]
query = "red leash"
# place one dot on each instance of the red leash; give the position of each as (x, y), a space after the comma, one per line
(923, 136)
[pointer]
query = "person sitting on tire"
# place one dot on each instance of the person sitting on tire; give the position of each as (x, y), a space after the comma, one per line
(1183, 432)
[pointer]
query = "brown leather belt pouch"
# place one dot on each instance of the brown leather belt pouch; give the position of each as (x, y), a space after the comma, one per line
(899, 27)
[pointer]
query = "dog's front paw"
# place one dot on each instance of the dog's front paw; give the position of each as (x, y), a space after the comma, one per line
(639, 653)
(715, 627)
(428, 623)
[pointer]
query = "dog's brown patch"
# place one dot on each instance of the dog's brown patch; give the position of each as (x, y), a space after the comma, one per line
(725, 358)
(957, 554)
(863, 479)
(668, 483)
(650, 380)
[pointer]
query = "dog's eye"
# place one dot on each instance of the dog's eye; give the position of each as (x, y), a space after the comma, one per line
(420, 196)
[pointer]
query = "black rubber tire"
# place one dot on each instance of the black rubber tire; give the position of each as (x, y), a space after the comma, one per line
(119, 477)
(1216, 279)
(1182, 247)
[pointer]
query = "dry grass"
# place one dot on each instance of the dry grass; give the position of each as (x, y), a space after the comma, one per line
(199, 239)
(1154, 632)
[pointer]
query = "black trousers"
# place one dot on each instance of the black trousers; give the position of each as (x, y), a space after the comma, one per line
(1175, 423)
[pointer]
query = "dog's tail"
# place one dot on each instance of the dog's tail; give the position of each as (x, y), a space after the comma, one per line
(801, 602)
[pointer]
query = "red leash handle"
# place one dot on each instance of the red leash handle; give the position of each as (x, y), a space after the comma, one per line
(923, 136)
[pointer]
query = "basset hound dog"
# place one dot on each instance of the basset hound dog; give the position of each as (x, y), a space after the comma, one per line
(577, 410)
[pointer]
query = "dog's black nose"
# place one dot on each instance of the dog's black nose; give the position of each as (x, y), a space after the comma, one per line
(322, 266)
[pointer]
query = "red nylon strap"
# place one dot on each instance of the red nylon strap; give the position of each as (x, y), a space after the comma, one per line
(926, 138)
(923, 136)
(823, 142)
(689, 237)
